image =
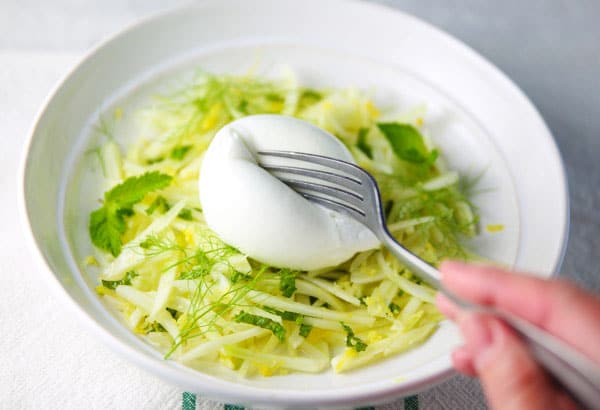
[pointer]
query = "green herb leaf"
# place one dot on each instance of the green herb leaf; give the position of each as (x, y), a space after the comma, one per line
(107, 223)
(172, 312)
(353, 341)
(243, 107)
(134, 189)
(407, 143)
(394, 308)
(178, 153)
(202, 266)
(185, 214)
(362, 144)
(106, 227)
(285, 315)
(305, 330)
(112, 284)
(287, 282)
(154, 327)
(160, 204)
(264, 322)
(151, 242)
(237, 276)
(151, 161)
(195, 273)
(275, 97)
(202, 259)
(311, 94)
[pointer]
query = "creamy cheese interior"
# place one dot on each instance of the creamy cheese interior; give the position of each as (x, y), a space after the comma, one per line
(253, 211)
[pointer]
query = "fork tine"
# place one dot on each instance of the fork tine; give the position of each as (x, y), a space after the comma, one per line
(352, 198)
(356, 173)
(314, 158)
(343, 180)
(335, 205)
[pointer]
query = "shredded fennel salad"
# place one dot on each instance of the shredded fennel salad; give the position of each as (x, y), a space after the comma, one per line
(203, 303)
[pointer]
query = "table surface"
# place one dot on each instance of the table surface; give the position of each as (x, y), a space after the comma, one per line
(550, 48)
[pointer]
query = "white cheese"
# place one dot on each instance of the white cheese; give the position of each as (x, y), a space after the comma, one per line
(253, 211)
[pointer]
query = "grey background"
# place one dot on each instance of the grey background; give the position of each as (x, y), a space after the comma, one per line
(550, 48)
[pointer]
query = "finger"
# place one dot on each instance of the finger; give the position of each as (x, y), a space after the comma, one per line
(510, 377)
(461, 357)
(551, 304)
(566, 402)
(445, 305)
(463, 362)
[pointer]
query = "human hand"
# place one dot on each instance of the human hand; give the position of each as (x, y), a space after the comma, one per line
(494, 353)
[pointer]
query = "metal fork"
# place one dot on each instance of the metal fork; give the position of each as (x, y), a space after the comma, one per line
(349, 189)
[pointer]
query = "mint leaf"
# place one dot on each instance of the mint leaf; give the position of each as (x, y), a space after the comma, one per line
(106, 227)
(134, 189)
(287, 282)
(107, 223)
(260, 321)
(407, 143)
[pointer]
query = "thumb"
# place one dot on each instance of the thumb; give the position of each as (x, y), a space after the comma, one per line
(510, 376)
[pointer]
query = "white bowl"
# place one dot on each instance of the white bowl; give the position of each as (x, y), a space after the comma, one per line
(478, 117)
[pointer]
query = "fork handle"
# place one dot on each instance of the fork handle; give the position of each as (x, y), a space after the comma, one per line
(415, 264)
(573, 371)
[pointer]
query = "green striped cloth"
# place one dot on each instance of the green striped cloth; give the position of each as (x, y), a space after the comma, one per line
(190, 401)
